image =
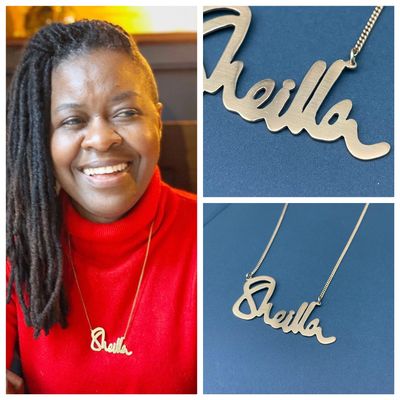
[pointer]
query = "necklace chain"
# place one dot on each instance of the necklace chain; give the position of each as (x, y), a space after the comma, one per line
(266, 250)
(364, 34)
(338, 262)
(137, 289)
(346, 247)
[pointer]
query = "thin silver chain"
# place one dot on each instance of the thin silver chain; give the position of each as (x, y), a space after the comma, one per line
(265, 252)
(338, 262)
(364, 34)
(137, 289)
(335, 268)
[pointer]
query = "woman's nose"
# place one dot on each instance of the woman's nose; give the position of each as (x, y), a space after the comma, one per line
(100, 136)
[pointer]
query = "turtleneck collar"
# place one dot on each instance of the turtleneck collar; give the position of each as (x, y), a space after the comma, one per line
(113, 241)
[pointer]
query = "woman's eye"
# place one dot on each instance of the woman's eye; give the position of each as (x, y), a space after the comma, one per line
(126, 113)
(72, 121)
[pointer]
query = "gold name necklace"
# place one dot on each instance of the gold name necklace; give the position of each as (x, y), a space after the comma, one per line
(288, 321)
(303, 109)
(98, 334)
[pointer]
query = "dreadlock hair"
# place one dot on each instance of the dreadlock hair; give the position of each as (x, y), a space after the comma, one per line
(34, 217)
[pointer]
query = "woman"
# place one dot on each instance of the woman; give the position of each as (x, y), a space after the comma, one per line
(101, 294)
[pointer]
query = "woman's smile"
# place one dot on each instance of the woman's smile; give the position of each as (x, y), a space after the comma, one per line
(105, 169)
(106, 174)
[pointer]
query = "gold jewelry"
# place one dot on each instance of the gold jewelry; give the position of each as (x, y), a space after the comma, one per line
(98, 334)
(301, 115)
(288, 321)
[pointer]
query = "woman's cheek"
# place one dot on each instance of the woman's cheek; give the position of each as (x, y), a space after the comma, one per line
(64, 149)
(145, 140)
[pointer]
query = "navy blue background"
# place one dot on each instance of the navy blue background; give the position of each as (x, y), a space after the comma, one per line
(245, 159)
(250, 357)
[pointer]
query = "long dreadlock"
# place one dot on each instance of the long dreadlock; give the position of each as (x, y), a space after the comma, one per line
(34, 217)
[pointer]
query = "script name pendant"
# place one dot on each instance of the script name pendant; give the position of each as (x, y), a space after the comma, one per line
(258, 105)
(288, 321)
(99, 343)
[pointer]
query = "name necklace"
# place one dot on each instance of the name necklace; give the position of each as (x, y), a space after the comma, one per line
(288, 321)
(301, 114)
(98, 334)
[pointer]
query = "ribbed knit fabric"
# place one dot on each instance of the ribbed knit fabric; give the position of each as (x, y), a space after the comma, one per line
(108, 259)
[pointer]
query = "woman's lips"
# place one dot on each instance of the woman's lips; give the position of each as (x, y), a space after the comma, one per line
(106, 169)
(106, 176)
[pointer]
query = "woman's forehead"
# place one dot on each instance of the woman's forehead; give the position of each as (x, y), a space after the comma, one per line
(98, 72)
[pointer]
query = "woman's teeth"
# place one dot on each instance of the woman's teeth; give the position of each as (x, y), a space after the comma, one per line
(105, 170)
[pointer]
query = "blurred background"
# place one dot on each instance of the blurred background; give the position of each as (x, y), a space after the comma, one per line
(167, 38)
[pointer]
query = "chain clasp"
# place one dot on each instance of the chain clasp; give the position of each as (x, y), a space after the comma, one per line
(353, 54)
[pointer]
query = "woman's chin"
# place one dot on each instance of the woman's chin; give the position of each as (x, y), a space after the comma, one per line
(105, 212)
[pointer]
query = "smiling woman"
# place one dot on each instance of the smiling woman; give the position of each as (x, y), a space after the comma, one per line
(115, 118)
(101, 254)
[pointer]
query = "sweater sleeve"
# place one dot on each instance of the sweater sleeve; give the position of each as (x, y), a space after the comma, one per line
(11, 323)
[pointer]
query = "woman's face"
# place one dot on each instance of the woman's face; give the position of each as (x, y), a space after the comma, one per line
(105, 132)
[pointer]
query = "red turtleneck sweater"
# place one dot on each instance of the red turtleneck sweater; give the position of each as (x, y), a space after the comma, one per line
(108, 259)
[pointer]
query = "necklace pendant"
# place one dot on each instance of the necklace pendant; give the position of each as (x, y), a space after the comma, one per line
(287, 321)
(259, 104)
(99, 343)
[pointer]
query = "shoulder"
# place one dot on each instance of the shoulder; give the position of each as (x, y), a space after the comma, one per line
(179, 198)
(178, 209)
